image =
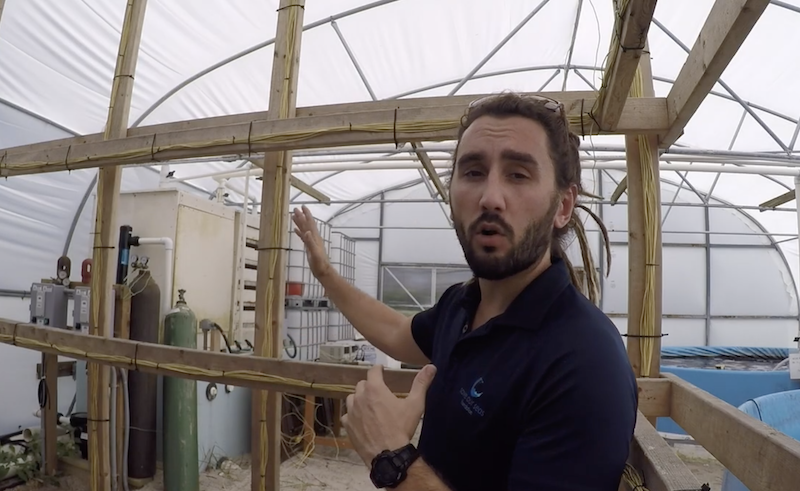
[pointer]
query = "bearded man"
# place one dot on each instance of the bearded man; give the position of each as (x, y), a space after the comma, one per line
(526, 383)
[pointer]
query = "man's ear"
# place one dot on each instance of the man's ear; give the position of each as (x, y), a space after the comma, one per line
(566, 206)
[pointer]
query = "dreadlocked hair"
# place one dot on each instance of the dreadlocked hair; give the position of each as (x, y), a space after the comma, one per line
(564, 152)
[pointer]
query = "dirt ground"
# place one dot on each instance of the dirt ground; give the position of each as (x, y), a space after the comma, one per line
(703, 465)
(331, 470)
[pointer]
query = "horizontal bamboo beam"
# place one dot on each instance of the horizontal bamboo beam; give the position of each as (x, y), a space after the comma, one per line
(294, 377)
(760, 456)
(398, 121)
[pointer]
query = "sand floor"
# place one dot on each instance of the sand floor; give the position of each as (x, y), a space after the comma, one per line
(331, 470)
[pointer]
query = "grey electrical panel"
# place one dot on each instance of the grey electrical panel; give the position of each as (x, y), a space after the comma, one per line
(81, 310)
(49, 305)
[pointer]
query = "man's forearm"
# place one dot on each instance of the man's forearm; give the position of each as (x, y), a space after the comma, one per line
(421, 477)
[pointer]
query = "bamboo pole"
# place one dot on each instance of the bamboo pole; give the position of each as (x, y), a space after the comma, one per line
(433, 119)
(255, 372)
(273, 238)
(644, 241)
(104, 258)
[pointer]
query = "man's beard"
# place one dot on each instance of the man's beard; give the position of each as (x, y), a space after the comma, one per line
(524, 254)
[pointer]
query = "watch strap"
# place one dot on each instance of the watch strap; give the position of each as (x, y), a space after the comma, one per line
(400, 459)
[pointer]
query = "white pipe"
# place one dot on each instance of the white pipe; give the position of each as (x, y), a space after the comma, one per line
(664, 166)
(706, 164)
(169, 253)
(797, 204)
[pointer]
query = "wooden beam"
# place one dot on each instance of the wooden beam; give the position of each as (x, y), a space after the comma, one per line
(65, 369)
(422, 155)
(104, 256)
(629, 38)
(660, 466)
(654, 397)
(760, 456)
(432, 119)
(644, 241)
(574, 102)
(306, 378)
(727, 26)
(294, 377)
(309, 190)
(272, 240)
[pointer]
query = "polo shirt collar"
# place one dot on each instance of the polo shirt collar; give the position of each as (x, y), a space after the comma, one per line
(529, 307)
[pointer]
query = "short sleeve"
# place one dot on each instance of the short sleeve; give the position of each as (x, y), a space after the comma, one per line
(423, 324)
(578, 436)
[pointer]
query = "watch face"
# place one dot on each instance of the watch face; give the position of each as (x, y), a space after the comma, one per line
(385, 472)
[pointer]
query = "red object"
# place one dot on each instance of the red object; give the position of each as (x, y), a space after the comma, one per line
(294, 288)
(86, 271)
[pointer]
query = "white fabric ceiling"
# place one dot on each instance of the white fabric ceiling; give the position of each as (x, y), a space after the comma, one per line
(57, 59)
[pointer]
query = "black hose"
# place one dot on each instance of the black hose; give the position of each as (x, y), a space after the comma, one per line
(224, 337)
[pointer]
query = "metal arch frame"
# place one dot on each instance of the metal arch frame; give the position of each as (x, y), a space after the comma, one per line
(459, 83)
(706, 200)
(92, 182)
(252, 49)
(575, 68)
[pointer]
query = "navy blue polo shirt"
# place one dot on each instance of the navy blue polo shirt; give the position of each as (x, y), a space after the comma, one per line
(541, 397)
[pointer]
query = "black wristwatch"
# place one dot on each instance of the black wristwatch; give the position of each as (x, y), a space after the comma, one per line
(390, 467)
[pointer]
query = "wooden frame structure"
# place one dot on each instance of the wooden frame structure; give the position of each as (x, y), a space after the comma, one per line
(624, 105)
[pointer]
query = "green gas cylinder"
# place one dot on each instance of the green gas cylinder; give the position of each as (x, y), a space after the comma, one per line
(180, 452)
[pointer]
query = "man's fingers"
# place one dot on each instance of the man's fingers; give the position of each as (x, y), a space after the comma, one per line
(375, 374)
(422, 382)
(308, 216)
(349, 402)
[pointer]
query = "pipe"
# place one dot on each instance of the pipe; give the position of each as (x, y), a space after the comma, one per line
(124, 252)
(725, 167)
(169, 252)
(797, 204)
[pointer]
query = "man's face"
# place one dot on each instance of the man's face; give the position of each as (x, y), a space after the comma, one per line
(503, 196)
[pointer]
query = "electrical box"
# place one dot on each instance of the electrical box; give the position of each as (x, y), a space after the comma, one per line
(794, 366)
(338, 352)
(49, 305)
(81, 310)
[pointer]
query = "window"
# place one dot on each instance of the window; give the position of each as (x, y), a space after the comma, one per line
(413, 288)
(445, 278)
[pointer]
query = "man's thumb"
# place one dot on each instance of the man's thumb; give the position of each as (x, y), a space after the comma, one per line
(422, 382)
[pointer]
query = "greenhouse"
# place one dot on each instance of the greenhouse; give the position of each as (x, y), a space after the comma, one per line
(146, 149)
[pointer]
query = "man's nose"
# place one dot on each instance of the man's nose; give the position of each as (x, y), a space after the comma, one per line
(493, 197)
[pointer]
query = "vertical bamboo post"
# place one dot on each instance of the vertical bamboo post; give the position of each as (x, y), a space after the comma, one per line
(644, 239)
(273, 238)
(104, 256)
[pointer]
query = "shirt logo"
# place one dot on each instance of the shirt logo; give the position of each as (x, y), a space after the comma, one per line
(469, 398)
(473, 392)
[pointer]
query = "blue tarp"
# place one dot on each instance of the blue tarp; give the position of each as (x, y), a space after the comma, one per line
(738, 352)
